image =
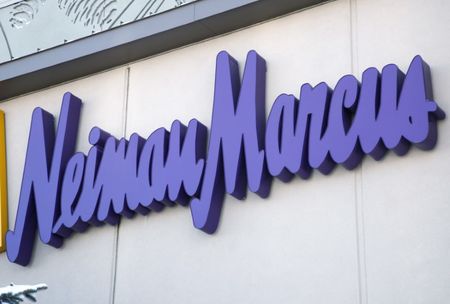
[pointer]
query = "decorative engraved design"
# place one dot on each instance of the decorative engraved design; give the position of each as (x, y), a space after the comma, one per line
(150, 7)
(29, 26)
(94, 13)
(5, 39)
(154, 6)
(24, 12)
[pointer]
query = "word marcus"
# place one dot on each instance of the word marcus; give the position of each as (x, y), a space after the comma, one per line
(63, 191)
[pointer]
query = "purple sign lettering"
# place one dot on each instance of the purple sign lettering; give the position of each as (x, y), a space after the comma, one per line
(64, 192)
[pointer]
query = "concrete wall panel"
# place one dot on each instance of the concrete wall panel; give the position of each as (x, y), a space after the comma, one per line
(297, 246)
(406, 200)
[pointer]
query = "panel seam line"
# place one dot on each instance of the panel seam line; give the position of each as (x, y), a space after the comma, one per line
(115, 254)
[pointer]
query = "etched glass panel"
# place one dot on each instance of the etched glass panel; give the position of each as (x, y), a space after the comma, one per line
(29, 26)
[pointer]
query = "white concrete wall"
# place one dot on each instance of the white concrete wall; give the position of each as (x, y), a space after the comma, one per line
(378, 234)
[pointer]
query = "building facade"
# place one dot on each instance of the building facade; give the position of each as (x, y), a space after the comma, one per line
(378, 233)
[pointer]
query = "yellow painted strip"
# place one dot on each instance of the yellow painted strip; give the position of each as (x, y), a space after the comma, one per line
(3, 185)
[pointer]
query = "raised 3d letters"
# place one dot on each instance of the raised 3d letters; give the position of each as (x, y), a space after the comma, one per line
(45, 161)
(63, 191)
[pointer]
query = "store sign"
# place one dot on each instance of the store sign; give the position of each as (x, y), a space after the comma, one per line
(64, 192)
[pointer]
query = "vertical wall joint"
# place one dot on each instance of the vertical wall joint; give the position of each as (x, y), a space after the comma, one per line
(359, 204)
(3, 185)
